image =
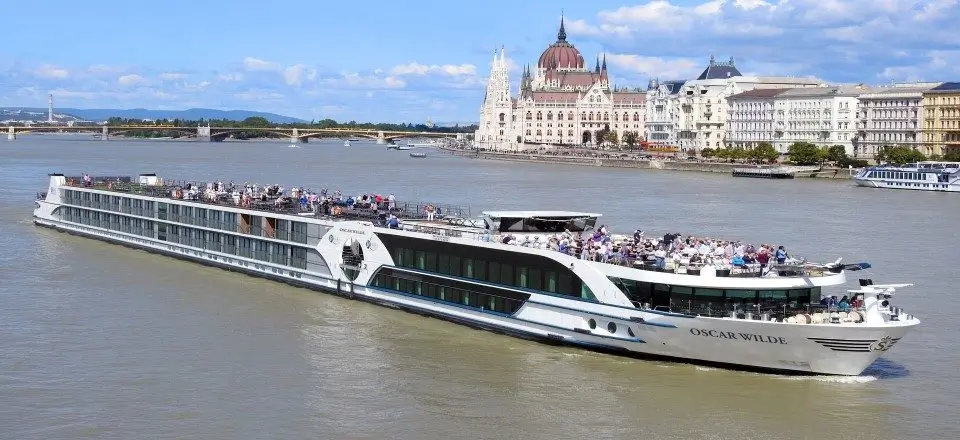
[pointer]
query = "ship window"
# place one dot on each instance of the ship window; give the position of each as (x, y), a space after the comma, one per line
(550, 281)
(431, 262)
(455, 265)
(612, 327)
(421, 260)
(630, 332)
(702, 292)
(494, 272)
(480, 270)
(535, 280)
(521, 277)
(592, 323)
(507, 268)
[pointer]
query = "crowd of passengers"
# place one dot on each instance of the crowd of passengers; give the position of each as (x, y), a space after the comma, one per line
(331, 203)
(663, 253)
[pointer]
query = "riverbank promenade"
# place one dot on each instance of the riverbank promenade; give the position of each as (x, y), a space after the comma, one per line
(625, 159)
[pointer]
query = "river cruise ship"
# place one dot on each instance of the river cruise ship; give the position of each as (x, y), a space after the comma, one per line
(921, 176)
(503, 271)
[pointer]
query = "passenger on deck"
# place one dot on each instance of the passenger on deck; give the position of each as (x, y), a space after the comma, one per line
(844, 304)
(393, 222)
(781, 255)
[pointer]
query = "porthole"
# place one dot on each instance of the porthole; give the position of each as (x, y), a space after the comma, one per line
(592, 323)
(612, 327)
(630, 332)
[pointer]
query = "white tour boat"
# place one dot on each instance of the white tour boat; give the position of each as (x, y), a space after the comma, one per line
(922, 176)
(489, 272)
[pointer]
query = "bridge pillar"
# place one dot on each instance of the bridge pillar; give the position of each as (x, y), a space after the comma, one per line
(104, 133)
(203, 134)
(295, 136)
(11, 133)
(380, 139)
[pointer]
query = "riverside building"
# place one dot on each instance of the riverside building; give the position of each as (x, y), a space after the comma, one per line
(559, 102)
(891, 116)
(702, 102)
(941, 118)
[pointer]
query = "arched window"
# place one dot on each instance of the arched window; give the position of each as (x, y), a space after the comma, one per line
(606, 116)
(549, 116)
(549, 132)
(615, 117)
(590, 117)
(529, 116)
(569, 132)
(538, 133)
(503, 117)
(559, 116)
(528, 132)
(625, 117)
(539, 116)
(636, 117)
(583, 116)
(570, 116)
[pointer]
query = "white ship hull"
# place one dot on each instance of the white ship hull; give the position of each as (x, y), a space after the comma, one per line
(611, 324)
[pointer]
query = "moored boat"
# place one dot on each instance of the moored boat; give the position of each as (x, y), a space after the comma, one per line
(418, 154)
(508, 271)
(920, 176)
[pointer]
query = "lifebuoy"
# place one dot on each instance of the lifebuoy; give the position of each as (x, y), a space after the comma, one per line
(337, 210)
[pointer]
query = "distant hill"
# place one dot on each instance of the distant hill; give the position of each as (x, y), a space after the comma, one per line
(192, 114)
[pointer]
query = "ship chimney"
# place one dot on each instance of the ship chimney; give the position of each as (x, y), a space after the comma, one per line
(50, 108)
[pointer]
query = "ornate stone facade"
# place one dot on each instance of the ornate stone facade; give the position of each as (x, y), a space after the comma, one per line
(560, 102)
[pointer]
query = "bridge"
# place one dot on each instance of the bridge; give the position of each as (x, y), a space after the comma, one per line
(214, 134)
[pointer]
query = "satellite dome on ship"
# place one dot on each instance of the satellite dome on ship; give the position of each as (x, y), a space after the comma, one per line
(561, 55)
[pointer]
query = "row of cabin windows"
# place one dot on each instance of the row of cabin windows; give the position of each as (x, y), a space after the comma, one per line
(268, 227)
(113, 222)
(287, 255)
(436, 290)
(493, 272)
(107, 202)
(293, 256)
(583, 116)
(665, 295)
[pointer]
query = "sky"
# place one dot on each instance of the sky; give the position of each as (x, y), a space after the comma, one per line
(411, 61)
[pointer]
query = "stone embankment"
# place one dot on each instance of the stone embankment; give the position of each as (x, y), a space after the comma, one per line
(615, 160)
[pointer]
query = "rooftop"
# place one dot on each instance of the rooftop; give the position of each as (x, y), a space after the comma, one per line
(758, 93)
(947, 87)
(719, 70)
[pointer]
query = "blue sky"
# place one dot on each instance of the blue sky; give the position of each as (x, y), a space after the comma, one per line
(409, 61)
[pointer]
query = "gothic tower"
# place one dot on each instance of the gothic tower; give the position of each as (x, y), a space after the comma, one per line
(496, 115)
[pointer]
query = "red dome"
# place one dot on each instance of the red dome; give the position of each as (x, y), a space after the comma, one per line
(561, 55)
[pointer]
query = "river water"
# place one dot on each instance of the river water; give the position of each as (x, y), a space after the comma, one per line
(101, 341)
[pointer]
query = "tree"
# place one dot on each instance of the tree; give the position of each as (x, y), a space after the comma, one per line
(899, 155)
(708, 152)
(805, 153)
(836, 153)
(612, 138)
(256, 121)
(630, 138)
(764, 152)
(951, 154)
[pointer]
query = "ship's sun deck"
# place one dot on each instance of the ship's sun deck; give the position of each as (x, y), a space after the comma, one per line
(573, 233)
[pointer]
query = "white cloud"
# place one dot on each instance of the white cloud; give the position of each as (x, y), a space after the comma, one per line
(257, 65)
(131, 80)
(51, 72)
(654, 66)
(172, 76)
(230, 77)
(835, 39)
(416, 68)
(296, 74)
(103, 69)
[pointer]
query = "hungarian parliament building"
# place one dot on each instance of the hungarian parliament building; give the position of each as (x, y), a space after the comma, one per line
(562, 102)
